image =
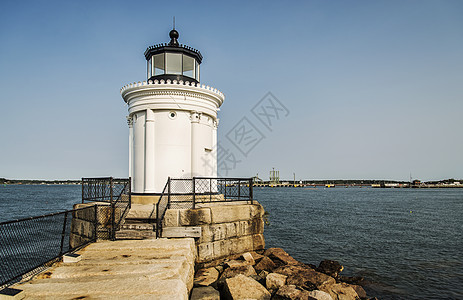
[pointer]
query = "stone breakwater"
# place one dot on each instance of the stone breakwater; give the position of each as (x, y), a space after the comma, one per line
(273, 274)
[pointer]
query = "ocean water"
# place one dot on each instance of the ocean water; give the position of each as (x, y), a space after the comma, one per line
(407, 243)
(22, 201)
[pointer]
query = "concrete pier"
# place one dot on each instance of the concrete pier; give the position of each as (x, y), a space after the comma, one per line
(126, 269)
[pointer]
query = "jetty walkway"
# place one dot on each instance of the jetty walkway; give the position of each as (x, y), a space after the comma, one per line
(123, 269)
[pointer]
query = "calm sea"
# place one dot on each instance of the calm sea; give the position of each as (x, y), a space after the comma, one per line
(21, 201)
(407, 243)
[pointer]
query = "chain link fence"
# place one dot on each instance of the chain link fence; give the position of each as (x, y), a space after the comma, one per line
(189, 193)
(114, 191)
(29, 245)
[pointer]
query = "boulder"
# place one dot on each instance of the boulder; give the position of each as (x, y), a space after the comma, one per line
(360, 291)
(330, 267)
(237, 263)
(291, 292)
(205, 293)
(206, 277)
(259, 279)
(232, 272)
(249, 258)
(274, 281)
(243, 287)
(320, 295)
(341, 291)
(263, 274)
(358, 280)
(265, 264)
(280, 257)
(255, 255)
(219, 268)
(304, 277)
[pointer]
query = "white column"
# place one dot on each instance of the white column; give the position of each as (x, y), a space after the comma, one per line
(139, 152)
(149, 152)
(130, 123)
(195, 143)
(214, 147)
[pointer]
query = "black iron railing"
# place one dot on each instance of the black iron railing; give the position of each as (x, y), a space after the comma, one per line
(114, 191)
(188, 193)
(161, 207)
(28, 245)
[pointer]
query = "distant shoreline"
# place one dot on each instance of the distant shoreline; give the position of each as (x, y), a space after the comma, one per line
(4, 181)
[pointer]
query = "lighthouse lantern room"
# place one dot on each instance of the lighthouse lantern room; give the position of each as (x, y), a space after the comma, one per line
(172, 119)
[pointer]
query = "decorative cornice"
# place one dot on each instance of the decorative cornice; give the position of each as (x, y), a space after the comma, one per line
(195, 117)
(171, 83)
(129, 121)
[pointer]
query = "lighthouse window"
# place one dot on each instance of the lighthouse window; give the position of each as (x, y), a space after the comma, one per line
(174, 63)
(188, 66)
(159, 64)
(197, 71)
(149, 68)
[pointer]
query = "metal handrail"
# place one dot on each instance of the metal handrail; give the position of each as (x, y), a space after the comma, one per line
(160, 216)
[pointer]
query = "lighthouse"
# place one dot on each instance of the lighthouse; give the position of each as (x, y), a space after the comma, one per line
(172, 119)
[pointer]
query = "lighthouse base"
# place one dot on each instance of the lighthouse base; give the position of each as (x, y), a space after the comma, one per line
(145, 199)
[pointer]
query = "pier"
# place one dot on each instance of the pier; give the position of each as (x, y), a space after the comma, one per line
(124, 269)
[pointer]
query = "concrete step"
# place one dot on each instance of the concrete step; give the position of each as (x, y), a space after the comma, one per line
(141, 211)
(135, 234)
(138, 226)
(136, 230)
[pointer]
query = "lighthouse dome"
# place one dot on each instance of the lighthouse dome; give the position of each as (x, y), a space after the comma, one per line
(173, 61)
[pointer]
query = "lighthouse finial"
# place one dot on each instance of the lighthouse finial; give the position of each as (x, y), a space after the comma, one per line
(173, 34)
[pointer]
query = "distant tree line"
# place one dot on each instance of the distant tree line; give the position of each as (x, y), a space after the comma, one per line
(34, 181)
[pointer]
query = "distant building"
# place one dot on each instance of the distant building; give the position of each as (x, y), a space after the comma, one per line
(274, 176)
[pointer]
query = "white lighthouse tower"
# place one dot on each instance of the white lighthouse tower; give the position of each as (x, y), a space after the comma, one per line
(172, 119)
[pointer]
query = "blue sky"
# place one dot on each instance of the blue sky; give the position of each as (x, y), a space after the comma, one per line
(373, 88)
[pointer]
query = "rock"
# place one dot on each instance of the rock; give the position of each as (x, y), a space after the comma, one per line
(359, 290)
(305, 277)
(341, 291)
(249, 258)
(237, 263)
(206, 277)
(290, 292)
(280, 257)
(232, 272)
(330, 267)
(263, 274)
(259, 279)
(311, 266)
(219, 268)
(243, 287)
(274, 281)
(265, 264)
(256, 255)
(205, 293)
(358, 280)
(320, 295)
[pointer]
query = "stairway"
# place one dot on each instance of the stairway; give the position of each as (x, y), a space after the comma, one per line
(139, 224)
